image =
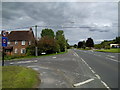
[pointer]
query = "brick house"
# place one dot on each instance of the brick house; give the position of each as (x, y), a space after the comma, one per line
(18, 41)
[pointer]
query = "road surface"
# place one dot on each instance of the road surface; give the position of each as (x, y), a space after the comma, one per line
(75, 69)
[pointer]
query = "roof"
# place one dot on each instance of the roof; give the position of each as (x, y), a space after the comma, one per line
(21, 35)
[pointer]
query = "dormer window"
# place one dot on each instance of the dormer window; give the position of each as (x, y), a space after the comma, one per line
(23, 42)
(16, 42)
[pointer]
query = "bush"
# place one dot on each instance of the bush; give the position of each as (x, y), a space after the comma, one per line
(30, 50)
(9, 57)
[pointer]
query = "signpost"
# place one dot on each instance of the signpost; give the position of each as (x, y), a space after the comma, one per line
(4, 44)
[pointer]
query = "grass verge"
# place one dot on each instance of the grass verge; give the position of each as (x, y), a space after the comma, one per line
(83, 49)
(19, 77)
(15, 57)
(109, 50)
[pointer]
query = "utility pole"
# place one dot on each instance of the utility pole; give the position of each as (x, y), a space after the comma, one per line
(36, 48)
(2, 56)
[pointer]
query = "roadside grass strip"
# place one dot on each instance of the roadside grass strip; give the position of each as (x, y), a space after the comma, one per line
(15, 57)
(19, 77)
(110, 50)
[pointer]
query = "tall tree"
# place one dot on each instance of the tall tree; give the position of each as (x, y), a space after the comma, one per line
(80, 44)
(61, 40)
(48, 45)
(89, 42)
(75, 46)
(48, 33)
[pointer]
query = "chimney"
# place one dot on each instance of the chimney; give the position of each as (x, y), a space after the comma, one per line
(30, 29)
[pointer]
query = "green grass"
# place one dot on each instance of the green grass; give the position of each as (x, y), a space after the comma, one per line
(110, 50)
(15, 57)
(19, 77)
(84, 49)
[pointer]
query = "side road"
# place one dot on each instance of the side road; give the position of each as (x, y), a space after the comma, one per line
(63, 71)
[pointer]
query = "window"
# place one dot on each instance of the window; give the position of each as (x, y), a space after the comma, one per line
(29, 42)
(8, 42)
(23, 50)
(16, 42)
(23, 42)
(16, 50)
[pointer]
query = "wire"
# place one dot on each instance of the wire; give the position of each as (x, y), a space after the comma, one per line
(51, 27)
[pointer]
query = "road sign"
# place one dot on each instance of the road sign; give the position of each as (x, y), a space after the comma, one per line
(4, 41)
(4, 33)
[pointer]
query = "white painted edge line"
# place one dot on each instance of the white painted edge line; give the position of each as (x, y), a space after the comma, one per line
(82, 83)
(111, 56)
(97, 75)
(24, 62)
(112, 59)
(76, 54)
(78, 84)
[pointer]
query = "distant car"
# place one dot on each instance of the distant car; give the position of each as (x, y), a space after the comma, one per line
(43, 53)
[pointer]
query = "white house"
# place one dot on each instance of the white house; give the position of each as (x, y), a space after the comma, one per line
(114, 45)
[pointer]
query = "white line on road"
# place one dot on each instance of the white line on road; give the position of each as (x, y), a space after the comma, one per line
(112, 59)
(24, 62)
(111, 56)
(11, 63)
(76, 54)
(53, 57)
(82, 83)
(95, 75)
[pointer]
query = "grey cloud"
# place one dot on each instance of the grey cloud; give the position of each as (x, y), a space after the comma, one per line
(76, 19)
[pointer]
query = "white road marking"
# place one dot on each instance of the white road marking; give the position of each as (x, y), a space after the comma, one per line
(82, 83)
(97, 76)
(24, 62)
(105, 85)
(78, 84)
(111, 56)
(112, 59)
(53, 57)
(76, 54)
(93, 71)
(11, 63)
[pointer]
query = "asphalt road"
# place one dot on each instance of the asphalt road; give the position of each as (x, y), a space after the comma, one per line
(75, 69)
(104, 64)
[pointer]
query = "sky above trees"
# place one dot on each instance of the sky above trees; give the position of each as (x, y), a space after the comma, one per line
(78, 20)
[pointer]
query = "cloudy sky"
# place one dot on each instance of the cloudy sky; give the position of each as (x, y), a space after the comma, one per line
(79, 20)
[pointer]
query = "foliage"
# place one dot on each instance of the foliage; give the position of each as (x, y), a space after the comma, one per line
(9, 57)
(30, 50)
(19, 77)
(48, 45)
(97, 46)
(80, 44)
(117, 40)
(106, 44)
(67, 44)
(48, 33)
(61, 40)
(75, 46)
(89, 42)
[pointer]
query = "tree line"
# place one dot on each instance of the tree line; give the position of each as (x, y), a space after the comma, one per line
(89, 43)
(106, 43)
(49, 43)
